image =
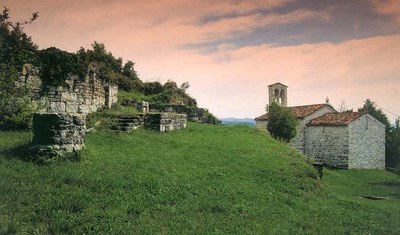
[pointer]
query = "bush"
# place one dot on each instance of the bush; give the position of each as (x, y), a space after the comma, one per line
(56, 65)
(281, 122)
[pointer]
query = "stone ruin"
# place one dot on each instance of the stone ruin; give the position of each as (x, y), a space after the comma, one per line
(59, 126)
(56, 132)
(162, 122)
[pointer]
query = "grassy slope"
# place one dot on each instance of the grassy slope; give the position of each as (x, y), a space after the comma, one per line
(203, 179)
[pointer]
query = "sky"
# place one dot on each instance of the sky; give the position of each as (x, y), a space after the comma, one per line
(230, 50)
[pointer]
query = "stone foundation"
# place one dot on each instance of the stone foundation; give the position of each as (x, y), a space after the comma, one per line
(166, 121)
(58, 132)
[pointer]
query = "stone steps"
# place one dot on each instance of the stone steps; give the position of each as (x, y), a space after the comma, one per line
(127, 124)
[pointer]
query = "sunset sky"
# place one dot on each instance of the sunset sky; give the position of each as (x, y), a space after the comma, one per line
(229, 51)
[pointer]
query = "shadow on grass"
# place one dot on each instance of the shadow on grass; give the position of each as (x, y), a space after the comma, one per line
(395, 185)
(19, 152)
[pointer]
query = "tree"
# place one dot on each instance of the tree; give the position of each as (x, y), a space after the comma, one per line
(16, 49)
(56, 65)
(393, 147)
(281, 122)
(370, 108)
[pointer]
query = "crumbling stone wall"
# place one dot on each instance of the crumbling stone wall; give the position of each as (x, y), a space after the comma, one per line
(58, 132)
(76, 95)
(60, 124)
(79, 96)
(166, 121)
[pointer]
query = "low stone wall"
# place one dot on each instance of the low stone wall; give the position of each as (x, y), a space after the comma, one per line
(166, 121)
(58, 132)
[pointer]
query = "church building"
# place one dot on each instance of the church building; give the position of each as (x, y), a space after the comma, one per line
(342, 140)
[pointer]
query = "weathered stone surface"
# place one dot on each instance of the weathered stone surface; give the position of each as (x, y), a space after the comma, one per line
(166, 121)
(61, 132)
(360, 144)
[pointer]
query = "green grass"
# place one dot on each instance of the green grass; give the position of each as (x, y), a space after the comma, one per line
(204, 179)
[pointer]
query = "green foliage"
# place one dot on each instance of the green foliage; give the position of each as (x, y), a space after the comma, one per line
(16, 49)
(57, 65)
(370, 108)
(208, 179)
(152, 88)
(392, 137)
(393, 147)
(110, 68)
(281, 122)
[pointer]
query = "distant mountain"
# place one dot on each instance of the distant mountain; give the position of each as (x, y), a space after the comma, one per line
(238, 121)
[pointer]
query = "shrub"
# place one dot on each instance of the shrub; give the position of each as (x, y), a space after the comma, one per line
(281, 122)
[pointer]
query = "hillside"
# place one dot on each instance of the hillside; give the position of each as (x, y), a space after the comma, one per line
(203, 179)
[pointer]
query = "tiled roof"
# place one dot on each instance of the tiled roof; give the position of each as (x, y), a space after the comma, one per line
(299, 111)
(306, 110)
(277, 84)
(335, 119)
(263, 117)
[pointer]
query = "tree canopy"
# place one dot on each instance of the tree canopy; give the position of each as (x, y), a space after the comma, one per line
(281, 122)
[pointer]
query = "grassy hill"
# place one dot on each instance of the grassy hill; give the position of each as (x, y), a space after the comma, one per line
(204, 179)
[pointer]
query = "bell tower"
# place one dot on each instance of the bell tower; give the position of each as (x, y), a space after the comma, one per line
(278, 93)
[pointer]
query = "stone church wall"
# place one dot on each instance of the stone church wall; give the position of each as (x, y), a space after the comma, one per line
(262, 125)
(299, 140)
(367, 143)
(328, 145)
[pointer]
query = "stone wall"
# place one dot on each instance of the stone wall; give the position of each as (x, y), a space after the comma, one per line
(367, 143)
(58, 132)
(166, 121)
(298, 141)
(79, 96)
(60, 124)
(199, 115)
(262, 125)
(328, 145)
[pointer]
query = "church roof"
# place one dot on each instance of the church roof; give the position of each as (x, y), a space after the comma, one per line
(306, 110)
(335, 119)
(263, 117)
(277, 83)
(299, 111)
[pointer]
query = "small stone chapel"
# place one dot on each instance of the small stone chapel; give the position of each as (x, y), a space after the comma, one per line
(342, 140)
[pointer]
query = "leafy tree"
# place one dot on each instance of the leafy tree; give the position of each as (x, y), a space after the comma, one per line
(16, 49)
(392, 135)
(370, 108)
(393, 147)
(110, 68)
(281, 122)
(152, 88)
(56, 65)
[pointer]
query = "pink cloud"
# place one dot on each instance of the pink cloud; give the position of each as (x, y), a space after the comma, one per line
(388, 8)
(230, 81)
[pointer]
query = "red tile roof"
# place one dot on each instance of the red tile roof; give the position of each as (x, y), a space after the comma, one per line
(306, 110)
(299, 111)
(263, 117)
(335, 119)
